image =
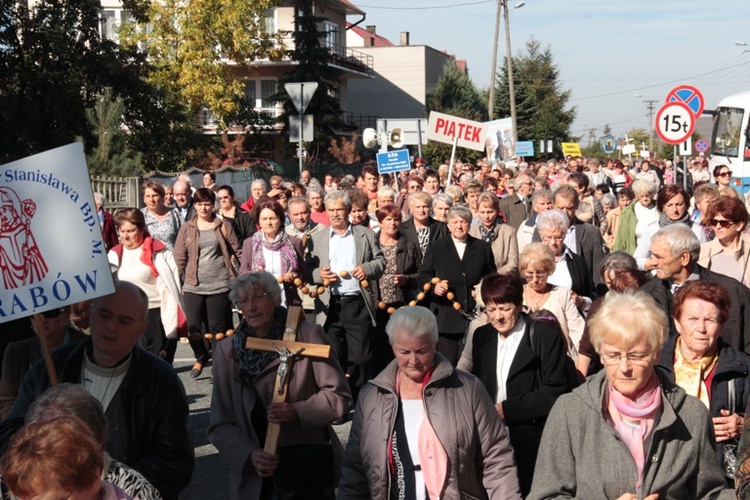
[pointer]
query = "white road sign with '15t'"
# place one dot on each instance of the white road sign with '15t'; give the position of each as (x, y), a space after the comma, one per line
(674, 123)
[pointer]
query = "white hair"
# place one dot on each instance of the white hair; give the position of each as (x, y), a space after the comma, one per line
(552, 220)
(413, 322)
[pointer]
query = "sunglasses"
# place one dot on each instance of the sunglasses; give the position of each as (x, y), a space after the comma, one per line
(54, 313)
(721, 223)
(724, 174)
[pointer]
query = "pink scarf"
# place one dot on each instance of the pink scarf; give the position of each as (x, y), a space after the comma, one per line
(432, 455)
(634, 420)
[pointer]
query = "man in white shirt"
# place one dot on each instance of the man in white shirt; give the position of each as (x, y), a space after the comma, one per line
(346, 256)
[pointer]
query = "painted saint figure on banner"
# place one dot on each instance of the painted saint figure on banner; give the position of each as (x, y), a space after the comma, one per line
(21, 262)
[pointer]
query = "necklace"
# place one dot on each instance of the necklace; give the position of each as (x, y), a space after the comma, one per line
(541, 300)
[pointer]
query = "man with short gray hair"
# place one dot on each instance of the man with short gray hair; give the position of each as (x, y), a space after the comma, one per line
(674, 254)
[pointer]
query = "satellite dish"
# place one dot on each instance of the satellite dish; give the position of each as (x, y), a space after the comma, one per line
(369, 138)
(396, 138)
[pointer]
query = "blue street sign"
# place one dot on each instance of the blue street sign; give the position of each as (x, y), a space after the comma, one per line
(701, 146)
(525, 148)
(393, 161)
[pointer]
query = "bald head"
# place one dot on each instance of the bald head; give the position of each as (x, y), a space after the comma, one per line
(181, 192)
(117, 322)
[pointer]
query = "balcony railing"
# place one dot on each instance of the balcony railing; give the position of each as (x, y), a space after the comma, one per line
(351, 59)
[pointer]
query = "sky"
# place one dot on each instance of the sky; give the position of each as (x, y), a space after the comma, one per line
(606, 51)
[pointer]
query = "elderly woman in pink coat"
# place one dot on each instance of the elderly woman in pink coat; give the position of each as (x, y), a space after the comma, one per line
(309, 453)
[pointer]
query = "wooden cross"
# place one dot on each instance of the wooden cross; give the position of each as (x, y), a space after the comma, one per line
(288, 349)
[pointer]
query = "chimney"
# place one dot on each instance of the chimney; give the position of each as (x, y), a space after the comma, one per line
(404, 38)
(371, 28)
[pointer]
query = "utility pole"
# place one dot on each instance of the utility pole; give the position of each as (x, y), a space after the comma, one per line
(493, 75)
(650, 106)
(511, 89)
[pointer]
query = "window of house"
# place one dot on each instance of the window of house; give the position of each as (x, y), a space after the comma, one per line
(333, 40)
(109, 24)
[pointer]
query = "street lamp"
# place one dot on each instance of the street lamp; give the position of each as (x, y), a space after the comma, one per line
(502, 7)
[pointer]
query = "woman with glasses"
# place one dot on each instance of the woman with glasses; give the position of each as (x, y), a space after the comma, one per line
(570, 271)
(704, 365)
(522, 365)
(271, 249)
(241, 404)
(728, 253)
(536, 264)
(628, 432)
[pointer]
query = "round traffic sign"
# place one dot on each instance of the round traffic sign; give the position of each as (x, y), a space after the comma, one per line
(690, 96)
(701, 146)
(674, 122)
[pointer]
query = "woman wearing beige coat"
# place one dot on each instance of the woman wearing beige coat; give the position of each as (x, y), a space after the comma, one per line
(241, 403)
(501, 236)
(728, 253)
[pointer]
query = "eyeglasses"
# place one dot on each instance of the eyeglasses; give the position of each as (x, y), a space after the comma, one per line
(724, 174)
(538, 274)
(252, 298)
(634, 358)
(549, 239)
(723, 223)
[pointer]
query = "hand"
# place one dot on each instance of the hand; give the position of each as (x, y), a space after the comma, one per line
(282, 413)
(400, 280)
(632, 496)
(327, 274)
(258, 269)
(577, 299)
(440, 288)
(359, 273)
(727, 426)
(499, 408)
(264, 464)
(289, 277)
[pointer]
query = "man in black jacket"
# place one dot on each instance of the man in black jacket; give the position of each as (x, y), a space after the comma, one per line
(143, 398)
(674, 252)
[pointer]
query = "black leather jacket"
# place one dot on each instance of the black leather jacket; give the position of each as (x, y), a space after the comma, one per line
(147, 419)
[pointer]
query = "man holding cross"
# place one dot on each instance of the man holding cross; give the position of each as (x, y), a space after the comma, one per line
(246, 404)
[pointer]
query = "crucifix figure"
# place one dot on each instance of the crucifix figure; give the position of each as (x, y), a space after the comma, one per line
(287, 349)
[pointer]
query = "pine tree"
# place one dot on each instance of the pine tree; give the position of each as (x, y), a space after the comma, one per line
(111, 156)
(454, 94)
(313, 58)
(540, 101)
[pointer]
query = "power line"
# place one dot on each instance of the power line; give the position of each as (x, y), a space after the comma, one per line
(656, 85)
(433, 7)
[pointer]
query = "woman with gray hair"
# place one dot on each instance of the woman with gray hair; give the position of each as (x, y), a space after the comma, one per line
(628, 432)
(636, 217)
(401, 443)
(241, 403)
(451, 268)
(441, 203)
(571, 270)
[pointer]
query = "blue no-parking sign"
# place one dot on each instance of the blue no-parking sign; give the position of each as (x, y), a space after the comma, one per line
(701, 146)
(393, 161)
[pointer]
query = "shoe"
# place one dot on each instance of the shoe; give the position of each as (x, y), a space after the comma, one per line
(197, 370)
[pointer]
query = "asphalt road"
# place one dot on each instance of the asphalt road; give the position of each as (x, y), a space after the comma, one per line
(211, 474)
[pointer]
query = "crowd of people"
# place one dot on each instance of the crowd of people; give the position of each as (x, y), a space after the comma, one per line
(551, 329)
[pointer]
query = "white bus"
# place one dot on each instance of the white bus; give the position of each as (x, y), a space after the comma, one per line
(730, 141)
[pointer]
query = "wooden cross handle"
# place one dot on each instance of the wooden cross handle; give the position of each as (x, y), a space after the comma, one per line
(313, 350)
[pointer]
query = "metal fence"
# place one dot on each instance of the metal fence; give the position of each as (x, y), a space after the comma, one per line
(118, 192)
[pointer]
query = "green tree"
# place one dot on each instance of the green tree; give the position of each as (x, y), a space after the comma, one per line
(53, 63)
(313, 65)
(111, 156)
(197, 48)
(540, 101)
(454, 94)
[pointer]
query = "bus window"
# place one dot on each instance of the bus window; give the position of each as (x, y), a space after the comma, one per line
(727, 130)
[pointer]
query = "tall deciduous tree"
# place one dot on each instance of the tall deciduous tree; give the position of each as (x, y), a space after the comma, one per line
(197, 48)
(313, 59)
(540, 101)
(454, 94)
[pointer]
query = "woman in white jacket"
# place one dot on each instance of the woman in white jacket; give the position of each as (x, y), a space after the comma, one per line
(146, 262)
